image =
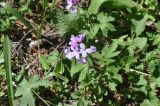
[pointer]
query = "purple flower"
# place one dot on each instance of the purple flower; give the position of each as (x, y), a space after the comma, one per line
(77, 49)
(84, 60)
(76, 40)
(71, 54)
(73, 10)
(84, 51)
(71, 5)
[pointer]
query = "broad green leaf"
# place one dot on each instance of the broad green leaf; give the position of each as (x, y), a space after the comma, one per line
(52, 58)
(120, 3)
(43, 62)
(139, 25)
(95, 5)
(146, 102)
(25, 88)
(156, 40)
(109, 52)
(142, 81)
(83, 74)
(140, 42)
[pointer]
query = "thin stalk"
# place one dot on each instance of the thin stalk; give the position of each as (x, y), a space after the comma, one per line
(40, 30)
(139, 72)
(44, 101)
(7, 64)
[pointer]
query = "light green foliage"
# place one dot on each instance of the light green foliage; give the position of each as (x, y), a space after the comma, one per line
(103, 24)
(43, 62)
(139, 26)
(108, 53)
(95, 5)
(25, 89)
(139, 42)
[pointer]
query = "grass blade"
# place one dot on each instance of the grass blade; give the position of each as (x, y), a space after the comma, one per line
(7, 64)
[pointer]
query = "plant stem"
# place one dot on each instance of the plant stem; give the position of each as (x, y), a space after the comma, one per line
(44, 101)
(139, 72)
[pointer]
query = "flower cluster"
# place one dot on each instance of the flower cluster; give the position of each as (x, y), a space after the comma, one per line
(71, 5)
(77, 49)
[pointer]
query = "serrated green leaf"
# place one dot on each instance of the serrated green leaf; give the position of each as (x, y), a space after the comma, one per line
(25, 88)
(43, 62)
(67, 23)
(52, 58)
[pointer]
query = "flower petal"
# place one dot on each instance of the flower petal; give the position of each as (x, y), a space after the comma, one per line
(92, 49)
(70, 55)
(84, 60)
(66, 51)
(82, 46)
(81, 37)
(77, 56)
(84, 54)
(73, 10)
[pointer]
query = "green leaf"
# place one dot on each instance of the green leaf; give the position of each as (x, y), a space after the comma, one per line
(156, 40)
(7, 64)
(83, 74)
(112, 86)
(109, 52)
(152, 67)
(146, 102)
(95, 5)
(120, 3)
(139, 25)
(67, 23)
(53, 57)
(140, 42)
(76, 67)
(158, 26)
(104, 24)
(43, 62)
(25, 88)
(94, 30)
